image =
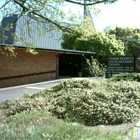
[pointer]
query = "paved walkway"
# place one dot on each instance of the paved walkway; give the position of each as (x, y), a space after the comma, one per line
(19, 91)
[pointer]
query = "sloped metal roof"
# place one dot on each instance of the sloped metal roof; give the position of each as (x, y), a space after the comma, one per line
(50, 40)
(29, 31)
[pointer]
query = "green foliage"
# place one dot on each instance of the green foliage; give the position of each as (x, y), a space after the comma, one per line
(84, 101)
(94, 68)
(31, 125)
(129, 36)
(125, 77)
(40, 125)
(58, 132)
(89, 40)
(104, 103)
(24, 104)
(9, 51)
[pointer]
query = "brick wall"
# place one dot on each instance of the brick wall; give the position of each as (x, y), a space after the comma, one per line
(30, 67)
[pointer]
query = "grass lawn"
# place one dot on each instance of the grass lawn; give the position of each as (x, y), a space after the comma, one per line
(41, 125)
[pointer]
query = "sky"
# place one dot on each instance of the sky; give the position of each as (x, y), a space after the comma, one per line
(124, 13)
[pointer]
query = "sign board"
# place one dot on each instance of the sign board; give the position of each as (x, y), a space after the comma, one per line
(119, 64)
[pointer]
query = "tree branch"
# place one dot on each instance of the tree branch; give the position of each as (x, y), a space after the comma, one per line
(90, 3)
(63, 28)
(28, 7)
(5, 4)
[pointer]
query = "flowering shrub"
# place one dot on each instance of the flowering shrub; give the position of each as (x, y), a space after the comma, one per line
(84, 101)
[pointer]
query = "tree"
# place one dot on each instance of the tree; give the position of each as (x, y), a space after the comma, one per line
(130, 37)
(86, 39)
(47, 11)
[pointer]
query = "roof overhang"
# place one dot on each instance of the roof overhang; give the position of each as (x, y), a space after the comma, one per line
(61, 51)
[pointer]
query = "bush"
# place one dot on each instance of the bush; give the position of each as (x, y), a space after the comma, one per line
(104, 103)
(90, 103)
(94, 68)
(126, 77)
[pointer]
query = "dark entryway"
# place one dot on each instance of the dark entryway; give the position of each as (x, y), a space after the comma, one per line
(70, 65)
